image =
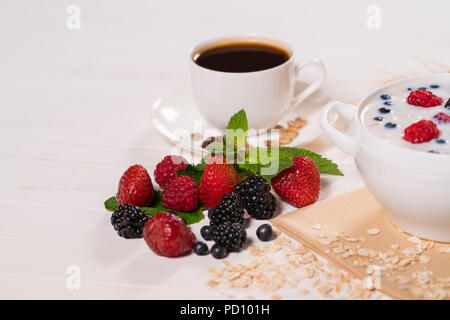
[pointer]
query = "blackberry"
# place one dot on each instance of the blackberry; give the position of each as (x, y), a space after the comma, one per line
(129, 221)
(256, 197)
(230, 236)
(230, 209)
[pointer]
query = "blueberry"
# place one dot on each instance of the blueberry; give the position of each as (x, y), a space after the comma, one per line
(390, 125)
(264, 232)
(385, 96)
(432, 151)
(388, 103)
(200, 248)
(441, 141)
(206, 232)
(434, 86)
(422, 88)
(219, 252)
(409, 89)
(378, 118)
(447, 104)
(384, 110)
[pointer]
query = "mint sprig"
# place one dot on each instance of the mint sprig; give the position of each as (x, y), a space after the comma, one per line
(156, 206)
(267, 162)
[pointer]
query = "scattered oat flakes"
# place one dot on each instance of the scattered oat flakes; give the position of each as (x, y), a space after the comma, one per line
(373, 231)
(275, 297)
(317, 226)
(424, 259)
(444, 250)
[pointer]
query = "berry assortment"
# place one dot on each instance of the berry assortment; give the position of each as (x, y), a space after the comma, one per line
(416, 117)
(162, 217)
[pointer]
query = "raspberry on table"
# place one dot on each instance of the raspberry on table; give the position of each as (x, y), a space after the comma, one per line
(167, 169)
(129, 221)
(256, 197)
(423, 98)
(230, 236)
(422, 131)
(230, 209)
(167, 235)
(442, 117)
(135, 187)
(181, 194)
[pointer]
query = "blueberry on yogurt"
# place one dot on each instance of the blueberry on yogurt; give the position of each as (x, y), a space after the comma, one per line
(384, 110)
(390, 125)
(378, 118)
(388, 103)
(441, 141)
(447, 104)
(385, 97)
(434, 86)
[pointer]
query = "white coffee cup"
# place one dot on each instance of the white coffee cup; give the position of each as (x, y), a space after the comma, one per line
(266, 95)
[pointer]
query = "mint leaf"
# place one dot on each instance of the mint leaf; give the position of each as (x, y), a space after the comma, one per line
(238, 121)
(270, 161)
(111, 204)
(156, 206)
(236, 132)
(193, 172)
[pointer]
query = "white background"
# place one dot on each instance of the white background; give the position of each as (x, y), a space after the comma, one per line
(75, 111)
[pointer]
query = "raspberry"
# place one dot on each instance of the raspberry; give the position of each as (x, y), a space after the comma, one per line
(181, 194)
(135, 187)
(423, 98)
(300, 183)
(230, 236)
(167, 235)
(167, 169)
(442, 118)
(129, 221)
(256, 197)
(230, 209)
(422, 131)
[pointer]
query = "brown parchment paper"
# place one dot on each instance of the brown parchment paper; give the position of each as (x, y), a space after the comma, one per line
(337, 229)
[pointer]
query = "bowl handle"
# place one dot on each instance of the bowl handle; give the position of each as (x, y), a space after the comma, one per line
(343, 141)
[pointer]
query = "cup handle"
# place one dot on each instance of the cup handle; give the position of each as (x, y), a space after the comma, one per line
(301, 96)
(343, 141)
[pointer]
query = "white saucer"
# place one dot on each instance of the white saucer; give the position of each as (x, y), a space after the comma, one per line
(176, 117)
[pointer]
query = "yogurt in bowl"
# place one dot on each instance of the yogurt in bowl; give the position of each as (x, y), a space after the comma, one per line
(388, 115)
(410, 180)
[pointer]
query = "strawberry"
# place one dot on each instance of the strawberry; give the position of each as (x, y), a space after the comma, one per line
(300, 183)
(135, 187)
(218, 179)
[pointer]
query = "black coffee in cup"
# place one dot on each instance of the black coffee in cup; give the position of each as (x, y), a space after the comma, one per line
(241, 57)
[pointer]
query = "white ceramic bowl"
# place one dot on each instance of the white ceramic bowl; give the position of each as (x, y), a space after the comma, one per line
(413, 186)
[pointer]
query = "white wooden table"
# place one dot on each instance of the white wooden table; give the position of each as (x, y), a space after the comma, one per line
(75, 114)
